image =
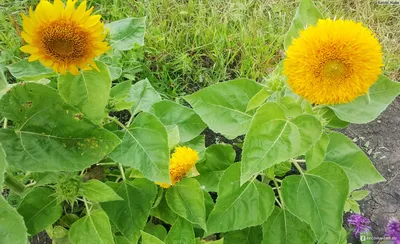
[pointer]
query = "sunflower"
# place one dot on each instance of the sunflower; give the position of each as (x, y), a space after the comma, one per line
(62, 37)
(333, 62)
(181, 162)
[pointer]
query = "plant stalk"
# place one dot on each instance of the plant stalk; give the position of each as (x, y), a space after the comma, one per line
(298, 167)
(279, 193)
(14, 184)
(121, 168)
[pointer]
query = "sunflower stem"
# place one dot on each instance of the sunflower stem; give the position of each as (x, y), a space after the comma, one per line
(298, 167)
(282, 204)
(113, 119)
(13, 184)
(86, 205)
(5, 123)
(121, 168)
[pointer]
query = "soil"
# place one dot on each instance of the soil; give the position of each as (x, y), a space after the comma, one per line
(380, 139)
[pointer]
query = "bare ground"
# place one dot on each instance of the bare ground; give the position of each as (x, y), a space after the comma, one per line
(380, 139)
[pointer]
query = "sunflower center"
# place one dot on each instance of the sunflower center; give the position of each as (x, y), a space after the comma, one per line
(334, 69)
(64, 40)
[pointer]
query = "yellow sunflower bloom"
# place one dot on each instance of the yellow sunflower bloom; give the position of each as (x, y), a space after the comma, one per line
(333, 62)
(181, 162)
(62, 37)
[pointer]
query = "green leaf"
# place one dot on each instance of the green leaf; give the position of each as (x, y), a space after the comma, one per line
(351, 158)
(173, 136)
(291, 107)
(12, 227)
(170, 113)
(3, 79)
(223, 106)
(354, 206)
(3, 165)
(94, 228)
(218, 158)
(343, 237)
(332, 119)
(258, 99)
(272, 139)
(118, 95)
(115, 72)
(318, 198)
(130, 216)
(158, 231)
(359, 195)
(126, 32)
(150, 239)
(282, 227)
(315, 156)
(231, 212)
(252, 235)
(186, 199)
(26, 70)
(88, 91)
(363, 109)
(39, 209)
(50, 135)
(307, 14)
(181, 232)
(145, 147)
(97, 191)
(164, 212)
(142, 95)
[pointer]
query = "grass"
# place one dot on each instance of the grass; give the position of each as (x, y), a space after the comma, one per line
(191, 44)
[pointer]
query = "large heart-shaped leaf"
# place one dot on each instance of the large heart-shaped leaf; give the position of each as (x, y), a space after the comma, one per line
(239, 207)
(189, 123)
(39, 209)
(282, 227)
(223, 106)
(89, 91)
(125, 33)
(251, 235)
(145, 147)
(130, 215)
(26, 70)
(318, 198)
(95, 190)
(181, 232)
(368, 107)
(352, 159)
(12, 226)
(315, 156)
(50, 135)
(218, 158)
(150, 239)
(94, 228)
(142, 95)
(273, 139)
(186, 199)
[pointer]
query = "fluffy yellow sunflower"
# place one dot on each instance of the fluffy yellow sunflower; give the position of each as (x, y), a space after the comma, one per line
(181, 162)
(63, 37)
(333, 62)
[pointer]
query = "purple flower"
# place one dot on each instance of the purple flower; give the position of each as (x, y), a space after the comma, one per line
(393, 231)
(360, 224)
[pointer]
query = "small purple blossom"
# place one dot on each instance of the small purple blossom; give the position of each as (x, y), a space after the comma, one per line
(393, 231)
(360, 224)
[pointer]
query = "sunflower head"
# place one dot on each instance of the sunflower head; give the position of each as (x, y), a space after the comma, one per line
(63, 38)
(333, 62)
(181, 162)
